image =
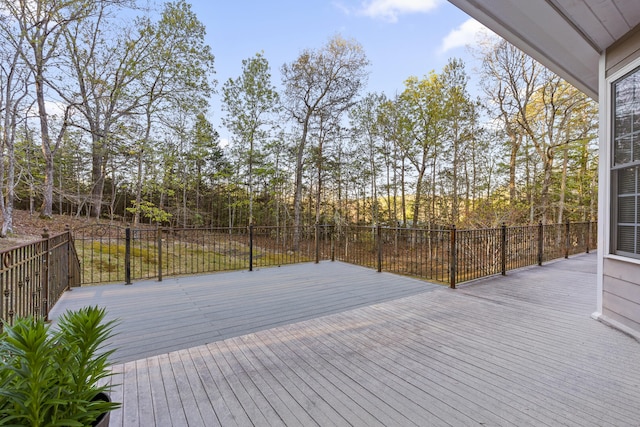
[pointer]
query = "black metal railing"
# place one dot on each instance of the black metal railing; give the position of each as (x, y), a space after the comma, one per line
(497, 250)
(121, 254)
(34, 276)
(452, 256)
(445, 255)
(421, 253)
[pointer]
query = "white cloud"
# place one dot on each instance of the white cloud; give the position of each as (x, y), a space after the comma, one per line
(341, 7)
(389, 10)
(465, 35)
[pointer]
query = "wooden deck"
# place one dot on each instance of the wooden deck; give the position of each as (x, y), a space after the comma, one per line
(354, 347)
(178, 313)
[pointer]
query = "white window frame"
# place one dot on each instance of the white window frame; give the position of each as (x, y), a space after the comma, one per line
(607, 163)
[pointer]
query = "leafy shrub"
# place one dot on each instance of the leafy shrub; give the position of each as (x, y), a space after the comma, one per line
(52, 377)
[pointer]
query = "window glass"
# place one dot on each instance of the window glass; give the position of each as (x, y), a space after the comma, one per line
(627, 181)
(623, 150)
(626, 241)
(626, 161)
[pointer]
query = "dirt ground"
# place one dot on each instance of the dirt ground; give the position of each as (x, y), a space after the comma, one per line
(29, 227)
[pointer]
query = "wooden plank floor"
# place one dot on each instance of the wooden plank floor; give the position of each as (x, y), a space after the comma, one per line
(159, 317)
(514, 351)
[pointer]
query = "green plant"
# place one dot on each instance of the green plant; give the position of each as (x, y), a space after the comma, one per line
(52, 377)
(150, 211)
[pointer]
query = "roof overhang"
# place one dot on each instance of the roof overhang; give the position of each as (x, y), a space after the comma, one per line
(567, 36)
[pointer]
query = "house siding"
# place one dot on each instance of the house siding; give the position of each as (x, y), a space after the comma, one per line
(623, 51)
(621, 293)
(620, 278)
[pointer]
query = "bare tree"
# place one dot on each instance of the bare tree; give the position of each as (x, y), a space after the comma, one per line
(101, 66)
(510, 78)
(14, 89)
(559, 116)
(320, 83)
(326, 130)
(535, 107)
(43, 23)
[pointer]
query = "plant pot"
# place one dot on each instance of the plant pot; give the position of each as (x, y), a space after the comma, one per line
(103, 419)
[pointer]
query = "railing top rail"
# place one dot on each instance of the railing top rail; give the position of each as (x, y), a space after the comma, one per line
(388, 227)
(479, 230)
(202, 228)
(24, 245)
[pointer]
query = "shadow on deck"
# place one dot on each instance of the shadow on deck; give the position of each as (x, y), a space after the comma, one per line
(335, 344)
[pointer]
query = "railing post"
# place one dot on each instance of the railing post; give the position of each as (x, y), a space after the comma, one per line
(588, 238)
(250, 247)
(567, 239)
(379, 246)
(45, 274)
(159, 239)
(127, 256)
(333, 243)
(67, 230)
(452, 258)
(317, 233)
(540, 242)
(503, 249)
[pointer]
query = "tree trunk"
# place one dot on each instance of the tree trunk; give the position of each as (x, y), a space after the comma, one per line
(374, 190)
(184, 198)
(546, 185)
(403, 201)
(467, 191)
(7, 205)
(46, 210)
(98, 167)
(454, 206)
(136, 215)
(319, 187)
(8, 139)
(513, 162)
(297, 198)
(563, 185)
(530, 189)
(432, 214)
(395, 189)
(418, 197)
(114, 188)
(389, 194)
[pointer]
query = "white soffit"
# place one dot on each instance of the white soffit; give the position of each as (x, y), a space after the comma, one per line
(567, 36)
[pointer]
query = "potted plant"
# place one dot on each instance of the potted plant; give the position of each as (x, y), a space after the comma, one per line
(56, 376)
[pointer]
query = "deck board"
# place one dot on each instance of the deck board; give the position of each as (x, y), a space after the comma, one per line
(335, 344)
(159, 402)
(159, 317)
(232, 411)
(322, 400)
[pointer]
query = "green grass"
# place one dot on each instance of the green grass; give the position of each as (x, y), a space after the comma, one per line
(103, 262)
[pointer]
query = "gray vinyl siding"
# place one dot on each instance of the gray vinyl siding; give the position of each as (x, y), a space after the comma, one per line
(621, 292)
(623, 51)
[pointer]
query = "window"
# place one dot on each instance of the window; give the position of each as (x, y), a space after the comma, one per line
(626, 165)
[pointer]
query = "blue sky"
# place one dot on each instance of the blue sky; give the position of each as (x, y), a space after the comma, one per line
(401, 38)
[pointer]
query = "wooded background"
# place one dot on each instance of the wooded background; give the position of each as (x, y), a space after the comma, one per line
(109, 117)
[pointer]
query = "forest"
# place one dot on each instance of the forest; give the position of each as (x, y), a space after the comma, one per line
(111, 118)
